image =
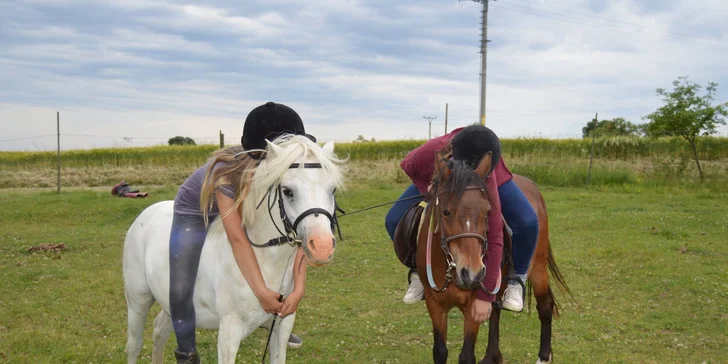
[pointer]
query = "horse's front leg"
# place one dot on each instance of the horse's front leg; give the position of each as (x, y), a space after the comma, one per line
(231, 333)
(438, 315)
(492, 353)
(279, 339)
(467, 354)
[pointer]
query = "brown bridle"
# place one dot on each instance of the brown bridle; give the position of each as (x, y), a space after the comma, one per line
(445, 245)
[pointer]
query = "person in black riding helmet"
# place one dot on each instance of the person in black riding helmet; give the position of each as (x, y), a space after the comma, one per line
(218, 188)
(471, 144)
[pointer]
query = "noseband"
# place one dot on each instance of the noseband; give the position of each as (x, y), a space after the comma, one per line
(445, 246)
(290, 236)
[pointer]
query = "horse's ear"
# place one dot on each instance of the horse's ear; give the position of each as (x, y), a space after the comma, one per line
(484, 166)
(328, 148)
(273, 149)
(443, 171)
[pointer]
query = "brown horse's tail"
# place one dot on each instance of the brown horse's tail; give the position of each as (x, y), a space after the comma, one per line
(555, 273)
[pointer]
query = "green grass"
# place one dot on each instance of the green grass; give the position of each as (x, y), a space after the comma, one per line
(647, 267)
(618, 161)
(619, 148)
(564, 172)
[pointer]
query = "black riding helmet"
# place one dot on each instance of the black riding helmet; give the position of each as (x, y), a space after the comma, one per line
(270, 121)
(473, 142)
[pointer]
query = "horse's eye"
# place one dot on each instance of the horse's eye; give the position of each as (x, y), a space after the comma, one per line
(446, 213)
(288, 193)
(333, 192)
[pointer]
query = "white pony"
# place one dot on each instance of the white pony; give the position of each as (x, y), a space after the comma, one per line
(306, 177)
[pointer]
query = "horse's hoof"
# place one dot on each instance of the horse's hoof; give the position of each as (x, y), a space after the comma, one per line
(492, 359)
(546, 361)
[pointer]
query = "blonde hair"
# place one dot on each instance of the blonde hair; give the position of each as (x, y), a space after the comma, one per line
(236, 171)
(253, 178)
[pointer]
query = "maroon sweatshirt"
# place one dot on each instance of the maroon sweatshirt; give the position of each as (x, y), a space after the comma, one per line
(419, 165)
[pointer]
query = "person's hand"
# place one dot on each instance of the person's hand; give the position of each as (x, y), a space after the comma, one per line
(290, 303)
(269, 300)
(481, 311)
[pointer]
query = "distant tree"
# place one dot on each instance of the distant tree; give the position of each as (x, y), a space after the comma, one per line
(179, 140)
(686, 114)
(616, 126)
(360, 138)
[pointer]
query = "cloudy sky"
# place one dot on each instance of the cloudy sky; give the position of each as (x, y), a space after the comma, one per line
(136, 72)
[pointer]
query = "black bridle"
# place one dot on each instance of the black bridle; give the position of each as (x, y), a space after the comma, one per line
(290, 236)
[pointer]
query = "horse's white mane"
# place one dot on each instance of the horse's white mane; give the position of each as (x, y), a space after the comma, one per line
(290, 149)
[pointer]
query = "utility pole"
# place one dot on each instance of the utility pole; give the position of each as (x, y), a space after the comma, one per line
(446, 118)
(58, 134)
(483, 56)
(430, 118)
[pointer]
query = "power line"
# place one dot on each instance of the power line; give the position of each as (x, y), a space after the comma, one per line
(557, 16)
(591, 17)
(25, 138)
(98, 136)
(130, 137)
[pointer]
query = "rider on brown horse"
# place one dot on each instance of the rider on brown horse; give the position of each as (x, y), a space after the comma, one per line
(471, 144)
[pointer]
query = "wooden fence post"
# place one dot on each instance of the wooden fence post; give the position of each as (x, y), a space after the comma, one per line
(591, 155)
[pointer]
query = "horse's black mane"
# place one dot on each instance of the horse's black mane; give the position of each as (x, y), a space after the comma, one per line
(462, 177)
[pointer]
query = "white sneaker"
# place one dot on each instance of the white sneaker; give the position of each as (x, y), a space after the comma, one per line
(513, 298)
(415, 291)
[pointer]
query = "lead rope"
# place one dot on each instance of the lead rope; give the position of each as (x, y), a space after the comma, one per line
(280, 299)
(428, 262)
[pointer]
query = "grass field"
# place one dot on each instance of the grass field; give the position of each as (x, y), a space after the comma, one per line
(618, 161)
(648, 267)
(620, 148)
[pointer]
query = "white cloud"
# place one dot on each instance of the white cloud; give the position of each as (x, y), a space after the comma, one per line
(349, 67)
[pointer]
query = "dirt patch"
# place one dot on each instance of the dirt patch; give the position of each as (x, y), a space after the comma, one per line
(55, 248)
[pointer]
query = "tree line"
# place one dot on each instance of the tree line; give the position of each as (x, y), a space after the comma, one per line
(686, 114)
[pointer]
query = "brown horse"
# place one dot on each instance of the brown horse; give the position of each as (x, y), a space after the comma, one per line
(461, 196)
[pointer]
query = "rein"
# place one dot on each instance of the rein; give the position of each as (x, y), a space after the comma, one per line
(275, 316)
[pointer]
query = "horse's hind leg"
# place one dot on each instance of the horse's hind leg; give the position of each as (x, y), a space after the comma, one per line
(162, 329)
(438, 315)
(492, 353)
(545, 306)
(138, 306)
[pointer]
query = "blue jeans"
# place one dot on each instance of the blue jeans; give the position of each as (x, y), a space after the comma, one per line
(515, 208)
(396, 213)
(523, 221)
(185, 247)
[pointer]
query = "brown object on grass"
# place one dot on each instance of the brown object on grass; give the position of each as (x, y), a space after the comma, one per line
(56, 248)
